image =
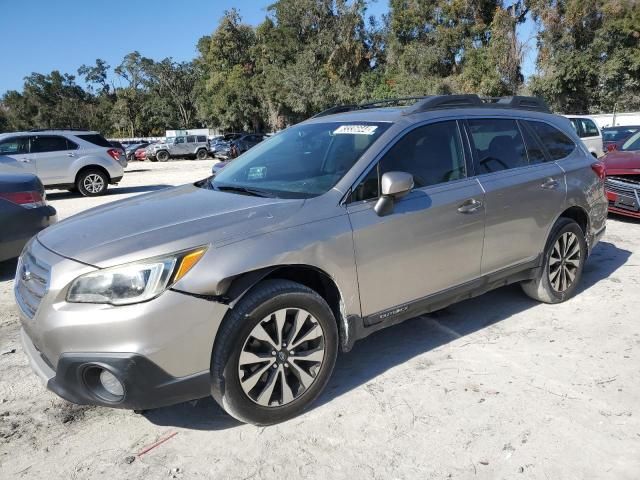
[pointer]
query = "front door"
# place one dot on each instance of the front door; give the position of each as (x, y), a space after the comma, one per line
(433, 239)
(15, 157)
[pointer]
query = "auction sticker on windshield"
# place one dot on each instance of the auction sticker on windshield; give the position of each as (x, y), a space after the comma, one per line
(355, 130)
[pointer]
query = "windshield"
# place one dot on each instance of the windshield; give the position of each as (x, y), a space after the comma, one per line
(633, 143)
(302, 161)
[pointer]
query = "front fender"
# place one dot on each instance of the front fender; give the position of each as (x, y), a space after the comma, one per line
(325, 245)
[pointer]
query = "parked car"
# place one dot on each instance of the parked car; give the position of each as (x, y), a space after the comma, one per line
(589, 133)
(23, 212)
(141, 154)
(77, 160)
(614, 137)
(234, 144)
(245, 285)
(623, 178)
(193, 146)
(132, 148)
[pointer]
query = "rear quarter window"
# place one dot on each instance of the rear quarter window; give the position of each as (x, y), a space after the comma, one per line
(95, 139)
(557, 143)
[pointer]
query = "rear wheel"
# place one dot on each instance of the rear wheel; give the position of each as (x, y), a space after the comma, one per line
(92, 182)
(274, 353)
(564, 259)
(201, 154)
(162, 156)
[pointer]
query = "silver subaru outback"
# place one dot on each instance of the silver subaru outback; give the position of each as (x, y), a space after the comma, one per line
(245, 285)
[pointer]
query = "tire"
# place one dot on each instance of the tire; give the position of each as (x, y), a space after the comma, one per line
(268, 305)
(162, 156)
(201, 154)
(92, 182)
(559, 264)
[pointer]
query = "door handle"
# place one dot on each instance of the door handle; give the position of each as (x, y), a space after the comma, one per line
(550, 184)
(70, 155)
(24, 160)
(470, 206)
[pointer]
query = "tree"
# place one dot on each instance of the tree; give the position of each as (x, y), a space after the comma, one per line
(228, 99)
(178, 83)
(589, 54)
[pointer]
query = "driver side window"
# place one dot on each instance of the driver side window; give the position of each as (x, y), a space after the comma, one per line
(433, 154)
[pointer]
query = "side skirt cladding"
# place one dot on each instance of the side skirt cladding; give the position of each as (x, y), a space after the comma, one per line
(359, 328)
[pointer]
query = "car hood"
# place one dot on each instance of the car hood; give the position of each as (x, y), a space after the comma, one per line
(618, 162)
(163, 222)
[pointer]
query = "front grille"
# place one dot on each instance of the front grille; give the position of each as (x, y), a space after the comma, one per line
(32, 281)
(622, 186)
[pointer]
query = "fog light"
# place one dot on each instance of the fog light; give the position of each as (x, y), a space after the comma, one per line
(111, 384)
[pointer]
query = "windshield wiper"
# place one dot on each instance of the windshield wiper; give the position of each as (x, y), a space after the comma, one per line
(243, 190)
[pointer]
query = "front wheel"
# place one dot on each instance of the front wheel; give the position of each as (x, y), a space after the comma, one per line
(274, 353)
(92, 183)
(564, 258)
(162, 156)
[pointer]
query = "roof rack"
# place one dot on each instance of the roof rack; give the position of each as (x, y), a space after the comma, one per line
(439, 102)
(364, 106)
(515, 102)
(59, 130)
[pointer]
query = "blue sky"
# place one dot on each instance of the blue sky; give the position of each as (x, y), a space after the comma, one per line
(45, 35)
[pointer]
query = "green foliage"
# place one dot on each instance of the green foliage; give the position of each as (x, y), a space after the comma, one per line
(308, 55)
(589, 57)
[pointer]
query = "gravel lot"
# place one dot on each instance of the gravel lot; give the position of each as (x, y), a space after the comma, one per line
(494, 387)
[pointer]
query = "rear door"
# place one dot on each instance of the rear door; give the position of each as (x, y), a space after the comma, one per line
(15, 157)
(53, 155)
(523, 191)
(433, 239)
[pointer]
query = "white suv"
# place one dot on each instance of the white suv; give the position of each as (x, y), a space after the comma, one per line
(589, 133)
(76, 160)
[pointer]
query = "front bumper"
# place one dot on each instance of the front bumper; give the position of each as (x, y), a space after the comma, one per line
(146, 385)
(160, 350)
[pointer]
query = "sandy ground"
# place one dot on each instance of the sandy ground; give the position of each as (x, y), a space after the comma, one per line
(494, 387)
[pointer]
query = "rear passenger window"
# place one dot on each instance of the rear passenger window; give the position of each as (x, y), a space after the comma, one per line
(191, 139)
(557, 143)
(48, 143)
(202, 138)
(498, 145)
(534, 149)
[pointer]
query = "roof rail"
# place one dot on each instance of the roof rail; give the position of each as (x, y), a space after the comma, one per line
(363, 106)
(59, 130)
(438, 102)
(521, 103)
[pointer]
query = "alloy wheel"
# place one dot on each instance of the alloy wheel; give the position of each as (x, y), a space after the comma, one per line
(281, 357)
(564, 262)
(93, 183)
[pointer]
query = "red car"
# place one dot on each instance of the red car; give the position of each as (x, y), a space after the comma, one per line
(140, 154)
(623, 178)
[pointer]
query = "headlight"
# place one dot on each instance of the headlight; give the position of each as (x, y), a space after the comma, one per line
(133, 282)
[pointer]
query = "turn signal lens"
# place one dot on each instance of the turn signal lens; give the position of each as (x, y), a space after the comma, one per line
(187, 263)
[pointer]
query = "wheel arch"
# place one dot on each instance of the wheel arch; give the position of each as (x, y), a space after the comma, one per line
(312, 277)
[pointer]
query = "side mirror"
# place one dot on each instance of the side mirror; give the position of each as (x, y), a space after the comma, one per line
(394, 185)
